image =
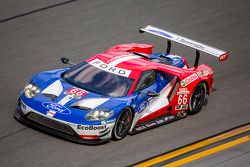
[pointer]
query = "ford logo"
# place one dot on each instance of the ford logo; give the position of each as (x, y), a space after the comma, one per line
(161, 33)
(142, 106)
(56, 107)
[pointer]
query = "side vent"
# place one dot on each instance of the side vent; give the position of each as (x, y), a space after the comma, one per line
(173, 92)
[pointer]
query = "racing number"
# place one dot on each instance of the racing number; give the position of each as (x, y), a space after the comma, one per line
(77, 92)
(182, 99)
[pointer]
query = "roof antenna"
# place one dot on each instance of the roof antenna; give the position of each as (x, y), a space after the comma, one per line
(197, 58)
(168, 47)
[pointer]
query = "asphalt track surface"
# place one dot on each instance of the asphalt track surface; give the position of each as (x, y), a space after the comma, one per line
(35, 34)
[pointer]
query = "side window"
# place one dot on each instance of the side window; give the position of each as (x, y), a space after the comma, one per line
(167, 76)
(147, 79)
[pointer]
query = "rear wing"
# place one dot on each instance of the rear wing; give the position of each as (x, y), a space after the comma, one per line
(222, 55)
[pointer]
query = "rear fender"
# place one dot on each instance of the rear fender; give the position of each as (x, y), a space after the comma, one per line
(187, 84)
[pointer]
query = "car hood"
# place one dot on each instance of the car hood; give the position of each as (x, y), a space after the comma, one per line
(67, 102)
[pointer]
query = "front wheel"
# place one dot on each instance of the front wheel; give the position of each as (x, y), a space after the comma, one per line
(197, 98)
(123, 124)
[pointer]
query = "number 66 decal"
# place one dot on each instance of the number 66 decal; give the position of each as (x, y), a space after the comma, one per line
(76, 92)
(182, 99)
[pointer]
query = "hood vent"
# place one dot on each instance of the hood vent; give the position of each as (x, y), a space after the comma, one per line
(53, 90)
(81, 107)
(50, 96)
(89, 104)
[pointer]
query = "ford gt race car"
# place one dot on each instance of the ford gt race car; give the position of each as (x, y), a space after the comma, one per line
(124, 90)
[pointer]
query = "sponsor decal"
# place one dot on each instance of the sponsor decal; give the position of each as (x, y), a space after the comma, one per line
(142, 106)
(194, 77)
(181, 107)
(51, 113)
(76, 92)
(91, 127)
(189, 80)
(177, 107)
(155, 122)
(182, 114)
(151, 100)
(185, 106)
(191, 43)
(110, 121)
(145, 104)
(160, 121)
(203, 73)
(199, 73)
(160, 33)
(110, 68)
(150, 124)
(56, 107)
(140, 128)
(182, 99)
(183, 91)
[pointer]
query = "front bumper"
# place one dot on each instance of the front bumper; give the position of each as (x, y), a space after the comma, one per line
(61, 130)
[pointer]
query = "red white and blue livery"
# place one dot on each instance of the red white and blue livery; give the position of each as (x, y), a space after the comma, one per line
(124, 90)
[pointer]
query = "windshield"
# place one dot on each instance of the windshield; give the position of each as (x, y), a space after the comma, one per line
(96, 80)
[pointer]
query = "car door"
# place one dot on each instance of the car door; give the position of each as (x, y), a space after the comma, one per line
(148, 81)
(158, 82)
(152, 80)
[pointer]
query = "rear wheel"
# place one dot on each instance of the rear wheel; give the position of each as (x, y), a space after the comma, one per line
(197, 98)
(123, 124)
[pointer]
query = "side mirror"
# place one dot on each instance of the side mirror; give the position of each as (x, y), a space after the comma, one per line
(152, 94)
(65, 60)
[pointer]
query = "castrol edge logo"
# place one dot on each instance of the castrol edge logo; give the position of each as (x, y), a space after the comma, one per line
(189, 79)
(193, 77)
(110, 68)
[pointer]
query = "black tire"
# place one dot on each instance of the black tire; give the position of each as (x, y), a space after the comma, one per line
(123, 124)
(197, 98)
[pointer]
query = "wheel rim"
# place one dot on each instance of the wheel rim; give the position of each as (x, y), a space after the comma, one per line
(123, 123)
(198, 98)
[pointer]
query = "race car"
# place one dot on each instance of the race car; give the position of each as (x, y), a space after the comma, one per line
(125, 90)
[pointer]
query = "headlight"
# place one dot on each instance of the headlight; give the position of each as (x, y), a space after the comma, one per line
(31, 90)
(99, 114)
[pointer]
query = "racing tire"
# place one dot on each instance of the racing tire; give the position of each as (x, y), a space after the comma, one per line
(123, 124)
(197, 99)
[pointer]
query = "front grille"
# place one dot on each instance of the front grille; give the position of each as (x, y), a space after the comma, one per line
(50, 123)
